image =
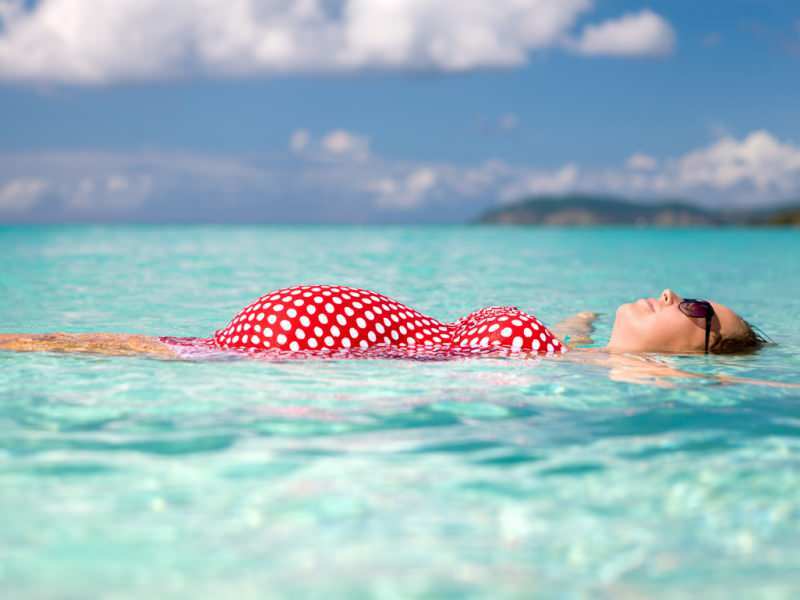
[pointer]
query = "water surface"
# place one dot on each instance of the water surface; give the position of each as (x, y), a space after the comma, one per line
(125, 477)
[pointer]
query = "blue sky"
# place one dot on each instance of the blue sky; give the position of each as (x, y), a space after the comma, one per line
(384, 111)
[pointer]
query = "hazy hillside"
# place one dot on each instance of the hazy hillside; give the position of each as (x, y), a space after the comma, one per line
(585, 210)
(783, 216)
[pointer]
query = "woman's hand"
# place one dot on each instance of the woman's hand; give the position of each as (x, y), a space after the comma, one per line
(578, 328)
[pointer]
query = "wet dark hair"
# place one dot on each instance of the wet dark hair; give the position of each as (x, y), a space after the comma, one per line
(751, 340)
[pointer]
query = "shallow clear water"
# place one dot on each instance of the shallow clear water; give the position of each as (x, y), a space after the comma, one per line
(125, 477)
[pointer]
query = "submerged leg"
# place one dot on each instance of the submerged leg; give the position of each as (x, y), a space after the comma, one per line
(110, 344)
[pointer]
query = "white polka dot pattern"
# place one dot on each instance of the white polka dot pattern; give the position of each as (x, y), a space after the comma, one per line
(328, 317)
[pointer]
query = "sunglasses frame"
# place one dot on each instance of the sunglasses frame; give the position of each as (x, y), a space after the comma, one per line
(707, 313)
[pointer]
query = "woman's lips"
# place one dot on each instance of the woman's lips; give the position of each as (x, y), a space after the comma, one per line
(649, 303)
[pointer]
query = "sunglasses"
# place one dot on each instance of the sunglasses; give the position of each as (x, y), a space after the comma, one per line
(697, 309)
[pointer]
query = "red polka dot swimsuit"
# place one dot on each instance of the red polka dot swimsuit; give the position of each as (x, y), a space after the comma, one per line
(320, 319)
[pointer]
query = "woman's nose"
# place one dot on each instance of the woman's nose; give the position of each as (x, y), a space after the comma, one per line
(669, 297)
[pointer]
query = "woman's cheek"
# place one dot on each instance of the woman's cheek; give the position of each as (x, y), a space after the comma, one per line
(650, 332)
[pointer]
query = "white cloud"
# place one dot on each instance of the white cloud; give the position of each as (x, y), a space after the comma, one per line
(338, 144)
(112, 193)
(107, 184)
(472, 182)
(122, 40)
(406, 192)
(117, 183)
(757, 169)
(341, 143)
(22, 194)
(421, 180)
(635, 34)
(535, 182)
(760, 160)
(641, 162)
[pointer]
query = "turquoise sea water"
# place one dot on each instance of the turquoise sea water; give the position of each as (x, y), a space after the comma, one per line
(129, 478)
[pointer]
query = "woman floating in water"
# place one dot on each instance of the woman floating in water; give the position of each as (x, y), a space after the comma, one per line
(341, 321)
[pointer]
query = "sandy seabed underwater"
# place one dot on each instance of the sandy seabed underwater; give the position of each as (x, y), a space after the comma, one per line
(126, 477)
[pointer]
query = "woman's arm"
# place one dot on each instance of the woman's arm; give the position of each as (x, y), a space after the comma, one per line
(578, 328)
(110, 344)
(631, 368)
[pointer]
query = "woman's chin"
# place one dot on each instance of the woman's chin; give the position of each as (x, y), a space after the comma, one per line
(622, 340)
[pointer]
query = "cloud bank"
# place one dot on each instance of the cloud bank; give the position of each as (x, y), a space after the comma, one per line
(635, 34)
(106, 41)
(335, 177)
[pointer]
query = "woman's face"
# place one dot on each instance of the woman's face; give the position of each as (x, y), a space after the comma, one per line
(658, 325)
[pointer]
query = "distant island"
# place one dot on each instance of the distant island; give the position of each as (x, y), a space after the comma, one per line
(587, 210)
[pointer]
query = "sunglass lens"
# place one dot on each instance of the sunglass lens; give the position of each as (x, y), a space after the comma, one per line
(695, 309)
